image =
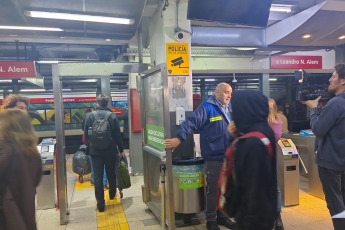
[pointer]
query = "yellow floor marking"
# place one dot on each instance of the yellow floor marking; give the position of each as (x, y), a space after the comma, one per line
(113, 218)
(84, 185)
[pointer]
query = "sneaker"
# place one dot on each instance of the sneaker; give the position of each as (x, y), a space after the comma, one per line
(226, 222)
(101, 207)
(112, 196)
(121, 194)
(212, 225)
(105, 187)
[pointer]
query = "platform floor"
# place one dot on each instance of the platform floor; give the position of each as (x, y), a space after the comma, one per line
(131, 213)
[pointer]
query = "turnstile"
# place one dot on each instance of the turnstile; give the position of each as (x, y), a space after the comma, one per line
(46, 189)
(288, 172)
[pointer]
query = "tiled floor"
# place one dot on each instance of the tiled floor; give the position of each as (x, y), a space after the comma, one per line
(312, 212)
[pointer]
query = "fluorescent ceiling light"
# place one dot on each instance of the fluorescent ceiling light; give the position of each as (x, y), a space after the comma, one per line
(341, 37)
(32, 90)
(79, 17)
(47, 62)
(245, 48)
(273, 79)
(208, 79)
(306, 36)
(5, 81)
(280, 8)
(30, 28)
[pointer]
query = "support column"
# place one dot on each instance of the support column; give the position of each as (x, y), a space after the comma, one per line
(170, 43)
(265, 84)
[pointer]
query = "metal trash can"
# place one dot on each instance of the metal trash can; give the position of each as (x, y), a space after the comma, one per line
(46, 188)
(188, 185)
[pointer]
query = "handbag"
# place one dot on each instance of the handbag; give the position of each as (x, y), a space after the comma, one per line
(123, 178)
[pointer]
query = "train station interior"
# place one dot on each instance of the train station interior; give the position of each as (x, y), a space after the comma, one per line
(161, 59)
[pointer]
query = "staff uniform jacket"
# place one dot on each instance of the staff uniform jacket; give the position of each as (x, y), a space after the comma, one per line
(124, 117)
(19, 198)
(208, 120)
(115, 133)
(328, 125)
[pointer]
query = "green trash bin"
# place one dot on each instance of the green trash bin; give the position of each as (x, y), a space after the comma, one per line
(188, 185)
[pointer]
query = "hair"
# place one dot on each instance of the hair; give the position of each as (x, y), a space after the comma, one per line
(11, 101)
(15, 126)
(272, 114)
(340, 69)
(102, 100)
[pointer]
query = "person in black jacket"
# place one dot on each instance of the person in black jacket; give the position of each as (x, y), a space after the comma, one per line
(255, 172)
(108, 157)
(125, 133)
(328, 125)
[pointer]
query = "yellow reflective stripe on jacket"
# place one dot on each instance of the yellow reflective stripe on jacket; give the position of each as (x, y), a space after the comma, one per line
(218, 118)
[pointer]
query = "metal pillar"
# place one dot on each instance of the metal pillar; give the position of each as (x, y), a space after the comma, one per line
(60, 145)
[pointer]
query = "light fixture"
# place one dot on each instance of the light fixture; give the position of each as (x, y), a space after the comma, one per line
(79, 17)
(272, 79)
(245, 48)
(32, 90)
(234, 80)
(280, 8)
(47, 62)
(107, 40)
(30, 28)
(341, 37)
(210, 79)
(306, 36)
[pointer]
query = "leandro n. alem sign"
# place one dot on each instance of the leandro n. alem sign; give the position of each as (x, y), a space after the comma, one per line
(296, 62)
(177, 59)
(17, 69)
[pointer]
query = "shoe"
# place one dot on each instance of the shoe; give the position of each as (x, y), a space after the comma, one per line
(212, 225)
(105, 187)
(279, 223)
(92, 183)
(101, 207)
(226, 222)
(121, 194)
(112, 196)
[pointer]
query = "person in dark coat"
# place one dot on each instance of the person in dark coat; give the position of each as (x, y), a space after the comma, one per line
(108, 157)
(255, 204)
(20, 171)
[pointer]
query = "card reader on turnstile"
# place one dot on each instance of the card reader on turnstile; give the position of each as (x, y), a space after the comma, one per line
(288, 172)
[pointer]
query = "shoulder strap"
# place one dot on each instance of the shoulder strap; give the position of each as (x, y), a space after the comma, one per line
(95, 115)
(262, 138)
(108, 115)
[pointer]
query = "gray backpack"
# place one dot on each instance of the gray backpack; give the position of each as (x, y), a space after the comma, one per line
(99, 133)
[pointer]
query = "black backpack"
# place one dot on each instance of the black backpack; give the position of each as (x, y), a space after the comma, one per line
(99, 133)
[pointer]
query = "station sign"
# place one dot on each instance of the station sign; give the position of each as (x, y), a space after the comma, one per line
(18, 69)
(296, 62)
(177, 59)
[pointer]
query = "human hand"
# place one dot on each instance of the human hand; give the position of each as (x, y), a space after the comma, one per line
(233, 129)
(312, 103)
(172, 143)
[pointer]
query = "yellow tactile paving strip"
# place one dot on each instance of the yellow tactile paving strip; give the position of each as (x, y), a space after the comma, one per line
(113, 218)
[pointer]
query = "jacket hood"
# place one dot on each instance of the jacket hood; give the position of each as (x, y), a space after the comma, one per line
(249, 108)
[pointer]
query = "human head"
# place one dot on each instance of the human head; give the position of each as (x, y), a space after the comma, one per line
(272, 115)
(249, 107)
(223, 93)
(15, 126)
(102, 100)
(337, 81)
(279, 108)
(16, 101)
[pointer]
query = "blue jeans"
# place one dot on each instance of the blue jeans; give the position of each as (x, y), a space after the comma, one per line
(105, 181)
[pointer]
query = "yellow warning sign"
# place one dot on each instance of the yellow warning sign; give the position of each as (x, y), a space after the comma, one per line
(177, 58)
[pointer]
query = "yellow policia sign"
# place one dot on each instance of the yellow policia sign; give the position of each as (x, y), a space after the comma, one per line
(177, 58)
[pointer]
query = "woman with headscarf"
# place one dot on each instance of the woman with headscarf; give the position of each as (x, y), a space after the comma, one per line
(254, 176)
(20, 171)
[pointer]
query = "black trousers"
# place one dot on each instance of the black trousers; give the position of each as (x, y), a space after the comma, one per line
(98, 164)
(333, 184)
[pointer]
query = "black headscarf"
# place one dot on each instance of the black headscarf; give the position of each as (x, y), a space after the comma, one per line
(250, 111)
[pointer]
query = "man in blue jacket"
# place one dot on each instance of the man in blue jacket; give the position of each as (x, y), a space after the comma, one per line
(328, 125)
(211, 120)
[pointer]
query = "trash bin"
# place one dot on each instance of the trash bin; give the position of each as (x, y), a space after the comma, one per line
(188, 185)
(46, 188)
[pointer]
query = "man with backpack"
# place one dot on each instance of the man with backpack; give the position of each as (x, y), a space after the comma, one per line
(102, 132)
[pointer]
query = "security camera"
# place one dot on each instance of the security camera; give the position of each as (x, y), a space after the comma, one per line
(179, 36)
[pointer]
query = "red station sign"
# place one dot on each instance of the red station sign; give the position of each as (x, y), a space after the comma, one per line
(296, 62)
(9, 69)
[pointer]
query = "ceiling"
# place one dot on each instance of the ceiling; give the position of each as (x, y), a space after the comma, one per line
(86, 41)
